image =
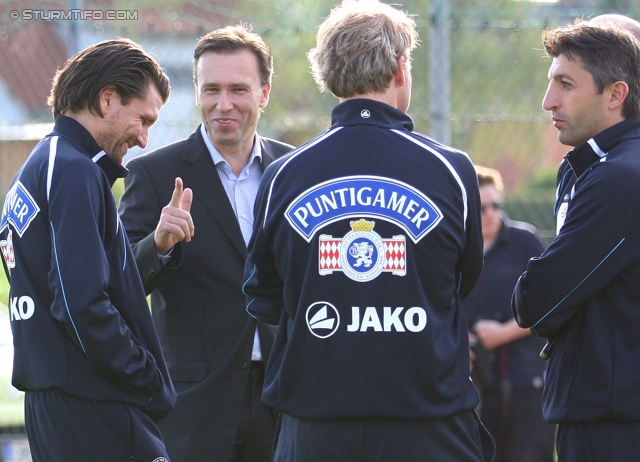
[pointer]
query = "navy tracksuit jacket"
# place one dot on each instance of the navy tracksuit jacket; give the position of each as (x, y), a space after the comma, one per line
(584, 291)
(365, 241)
(81, 324)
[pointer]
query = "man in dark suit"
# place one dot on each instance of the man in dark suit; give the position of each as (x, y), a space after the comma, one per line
(214, 349)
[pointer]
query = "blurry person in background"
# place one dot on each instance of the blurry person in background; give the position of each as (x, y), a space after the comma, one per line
(507, 371)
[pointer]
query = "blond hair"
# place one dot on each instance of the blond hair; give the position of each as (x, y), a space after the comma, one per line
(490, 176)
(358, 46)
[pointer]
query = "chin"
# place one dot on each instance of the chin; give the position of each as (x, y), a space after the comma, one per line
(117, 158)
(568, 140)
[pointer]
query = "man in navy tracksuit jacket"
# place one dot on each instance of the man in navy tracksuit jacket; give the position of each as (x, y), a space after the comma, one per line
(365, 241)
(566, 177)
(583, 293)
(86, 350)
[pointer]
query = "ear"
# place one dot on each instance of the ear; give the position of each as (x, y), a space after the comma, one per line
(619, 92)
(108, 96)
(399, 76)
(265, 95)
(197, 94)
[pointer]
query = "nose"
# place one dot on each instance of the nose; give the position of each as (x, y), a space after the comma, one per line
(549, 102)
(143, 137)
(224, 103)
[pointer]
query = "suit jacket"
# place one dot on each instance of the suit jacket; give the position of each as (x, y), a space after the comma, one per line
(197, 302)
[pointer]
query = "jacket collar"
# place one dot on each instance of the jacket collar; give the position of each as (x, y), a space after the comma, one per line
(369, 112)
(75, 133)
(598, 148)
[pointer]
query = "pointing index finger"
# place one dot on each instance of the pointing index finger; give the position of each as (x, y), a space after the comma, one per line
(176, 198)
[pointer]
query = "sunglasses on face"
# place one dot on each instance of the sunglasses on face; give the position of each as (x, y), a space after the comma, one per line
(495, 206)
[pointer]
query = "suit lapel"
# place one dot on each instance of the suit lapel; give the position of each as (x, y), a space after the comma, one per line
(208, 190)
(267, 155)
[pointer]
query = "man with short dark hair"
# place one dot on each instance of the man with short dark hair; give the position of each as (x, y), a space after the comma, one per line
(582, 293)
(216, 352)
(365, 241)
(566, 178)
(86, 351)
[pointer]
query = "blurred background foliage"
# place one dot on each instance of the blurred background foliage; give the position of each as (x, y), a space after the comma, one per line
(498, 74)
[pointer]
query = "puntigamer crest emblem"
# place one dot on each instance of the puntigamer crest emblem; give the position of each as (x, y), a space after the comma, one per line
(19, 209)
(357, 196)
(362, 254)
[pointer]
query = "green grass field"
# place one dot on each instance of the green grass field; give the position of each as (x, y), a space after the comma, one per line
(4, 290)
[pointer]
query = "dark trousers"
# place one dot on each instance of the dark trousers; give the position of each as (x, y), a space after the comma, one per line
(254, 441)
(598, 442)
(460, 438)
(518, 427)
(63, 428)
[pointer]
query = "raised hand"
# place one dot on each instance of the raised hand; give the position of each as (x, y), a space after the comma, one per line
(176, 224)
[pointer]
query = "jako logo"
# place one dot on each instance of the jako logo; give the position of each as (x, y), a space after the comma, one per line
(21, 308)
(323, 319)
(415, 319)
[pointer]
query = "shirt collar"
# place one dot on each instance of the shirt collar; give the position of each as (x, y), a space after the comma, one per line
(504, 235)
(217, 157)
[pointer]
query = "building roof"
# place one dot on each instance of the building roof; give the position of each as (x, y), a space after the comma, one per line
(30, 56)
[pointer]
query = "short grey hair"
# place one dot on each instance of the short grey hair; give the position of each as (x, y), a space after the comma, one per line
(358, 46)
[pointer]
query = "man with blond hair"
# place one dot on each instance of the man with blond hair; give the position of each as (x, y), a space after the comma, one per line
(365, 241)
